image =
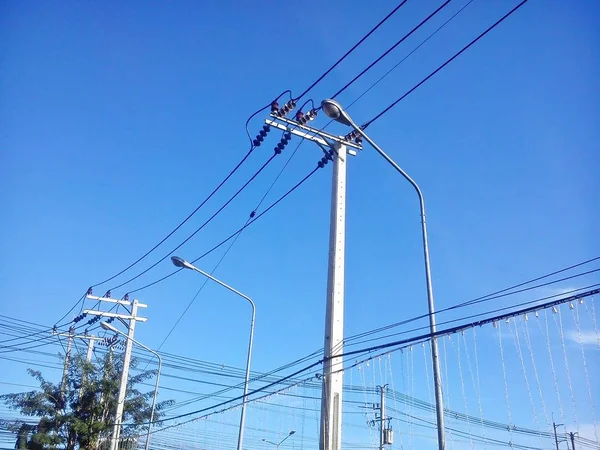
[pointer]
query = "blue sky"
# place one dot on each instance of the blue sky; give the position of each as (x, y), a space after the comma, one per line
(116, 120)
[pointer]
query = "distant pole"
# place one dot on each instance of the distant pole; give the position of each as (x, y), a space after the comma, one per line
(572, 436)
(65, 375)
(382, 418)
(555, 434)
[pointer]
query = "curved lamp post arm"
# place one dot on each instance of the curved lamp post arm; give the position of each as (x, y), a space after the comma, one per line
(180, 262)
(335, 111)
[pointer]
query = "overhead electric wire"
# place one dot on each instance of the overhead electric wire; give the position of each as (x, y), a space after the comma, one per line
(387, 345)
(201, 226)
(254, 219)
(237, 236)
(483, 297)
(456, 55)
(215, 190)
(389, 50)
(385, 75)
(345, 55)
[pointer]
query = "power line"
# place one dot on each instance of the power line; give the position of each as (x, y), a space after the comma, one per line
(201, 226)
(389, 50)
(224, 241)
(486, 297)
(456, 55)
(237, 236)
(345, 55)
(380, 79)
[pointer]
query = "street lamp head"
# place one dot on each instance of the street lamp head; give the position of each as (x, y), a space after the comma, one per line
(180, 262)
(334, 110)
(108, 327)
(292, 432)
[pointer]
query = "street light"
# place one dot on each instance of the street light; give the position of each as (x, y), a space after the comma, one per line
(280, 442)
(109, 327)
(182, 263)
(335, 111)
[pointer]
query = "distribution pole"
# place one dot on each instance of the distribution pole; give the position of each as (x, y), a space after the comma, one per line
(339, 148)
(572, 436)
(382, 418)
(133, 319)
(65, 375)
(124, 378)
(555, 434)
(331, 398)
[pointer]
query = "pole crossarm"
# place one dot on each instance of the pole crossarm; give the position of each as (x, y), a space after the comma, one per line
(312, 134)
(112, 300)
(115, 315)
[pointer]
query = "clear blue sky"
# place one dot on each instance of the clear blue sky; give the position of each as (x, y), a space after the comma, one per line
(118, 118)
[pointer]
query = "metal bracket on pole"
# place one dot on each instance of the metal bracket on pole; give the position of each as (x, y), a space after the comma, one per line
(320, 137)
(93, 312)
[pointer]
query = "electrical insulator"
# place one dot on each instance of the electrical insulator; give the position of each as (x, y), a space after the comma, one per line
(299, 116)
(89, 292)
(274, 107)
(108, 294)
(252, 214)
(260, 137)
(287, 108)
(358, 139)
(126, 297)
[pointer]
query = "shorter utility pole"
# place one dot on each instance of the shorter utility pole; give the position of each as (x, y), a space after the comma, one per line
(572, 436)
(386, 434)
(555, 425)
(65, 374)
(133, 319)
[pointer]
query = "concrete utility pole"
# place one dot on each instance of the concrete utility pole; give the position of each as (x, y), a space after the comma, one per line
(65, 374)
(133, 319)
(331, 398)
(330, 435)
(382, 418)
(555, 434)
(572, 436)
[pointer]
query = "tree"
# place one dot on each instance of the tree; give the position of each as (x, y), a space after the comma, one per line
(78, 413)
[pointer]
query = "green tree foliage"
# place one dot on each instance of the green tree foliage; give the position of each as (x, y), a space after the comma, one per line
(81, 414)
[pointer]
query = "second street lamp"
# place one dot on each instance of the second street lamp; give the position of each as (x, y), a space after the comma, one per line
(109, 327)
(334, 111)
(291, 433)
(182, 263)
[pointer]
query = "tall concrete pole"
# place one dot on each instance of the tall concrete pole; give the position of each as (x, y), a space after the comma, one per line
(330, 436)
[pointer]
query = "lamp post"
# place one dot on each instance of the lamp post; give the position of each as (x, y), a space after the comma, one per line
(179, 262)
(335, 111)
(291, 433)
(109, 327)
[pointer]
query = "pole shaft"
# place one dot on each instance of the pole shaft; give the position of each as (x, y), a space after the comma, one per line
(147, 446)
(246, 381)
(555, 435)
(572, 436)
(65, 374)
(382, 419)
(124, 378)
(330, 435)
